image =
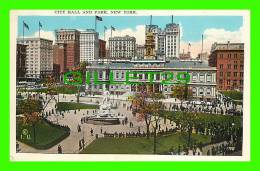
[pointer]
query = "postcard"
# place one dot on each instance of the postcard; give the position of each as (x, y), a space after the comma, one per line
(130, 85)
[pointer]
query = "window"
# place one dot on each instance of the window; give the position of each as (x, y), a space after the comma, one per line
(221, 74)
(235, 66)
(208, 91)
(221, 66)
(235, 74)
(100, 74)
(157, 76)
(208, 78)
(228, 74)
(194, 77)
(201, 91)
(228, 82)
(202, 78)
(229, 66)
(194, 91)
(241, 74)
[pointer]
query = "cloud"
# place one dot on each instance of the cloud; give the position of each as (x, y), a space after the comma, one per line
(212, 35)
(45, 34)
(138, 33)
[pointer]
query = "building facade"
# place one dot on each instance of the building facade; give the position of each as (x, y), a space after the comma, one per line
(140, 52)
(167, 41)
(228, 58)
(102, 49)
(69, 40)
(89, 45)
(20, 60)
(39, 57)
(185, 56)
(122, 47)
(202, 77)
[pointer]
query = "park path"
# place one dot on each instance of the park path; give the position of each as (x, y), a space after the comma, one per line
(71, 143)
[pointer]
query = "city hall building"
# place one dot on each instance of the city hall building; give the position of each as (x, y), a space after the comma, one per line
(202, 78)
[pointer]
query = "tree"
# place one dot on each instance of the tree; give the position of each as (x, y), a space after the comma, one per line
(156, 107)
(30, 109)
(82, 69)
(182, 92)
(148, 107)
(141, 107)
(52, 90)
(188, 121)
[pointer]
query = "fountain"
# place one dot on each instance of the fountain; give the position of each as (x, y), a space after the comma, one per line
(104, 115)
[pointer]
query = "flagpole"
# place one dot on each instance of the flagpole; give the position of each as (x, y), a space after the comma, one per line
(111, 31)
(95, 23)
(23, 32)
(104, 33)
(39, 31)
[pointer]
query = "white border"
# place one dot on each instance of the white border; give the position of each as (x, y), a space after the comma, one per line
(104, 157)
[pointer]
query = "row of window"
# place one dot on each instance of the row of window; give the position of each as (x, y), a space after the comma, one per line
(201, 77)
(229, 66)
(235, 74)
(234, 82)
(230, 55)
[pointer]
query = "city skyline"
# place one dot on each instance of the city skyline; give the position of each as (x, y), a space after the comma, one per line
(192, 27)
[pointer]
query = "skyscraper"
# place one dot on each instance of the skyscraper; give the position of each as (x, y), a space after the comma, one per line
(39, 56)
(167, 41)
(69, 39)
(89, 45)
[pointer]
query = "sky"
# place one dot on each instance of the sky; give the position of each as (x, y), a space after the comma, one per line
(214, 28)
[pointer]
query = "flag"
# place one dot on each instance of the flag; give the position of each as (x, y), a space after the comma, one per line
(113, 28)
(26, 25)
(105, 28)
(98, 18)
(40, 24)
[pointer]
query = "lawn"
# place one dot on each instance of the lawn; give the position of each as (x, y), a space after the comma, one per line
(62, 106)
(141, 145)
(47, 135)
(66, 89)
(235, 95)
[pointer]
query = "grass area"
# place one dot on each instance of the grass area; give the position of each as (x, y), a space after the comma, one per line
(204, 118)
(62, 106)
(61, 89)
(235, 95)
(141, 145)
(47, 134)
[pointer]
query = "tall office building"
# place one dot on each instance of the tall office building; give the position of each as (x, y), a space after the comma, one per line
(39, 56)
(89, 45)
(167, 41)
(102, 49)
(69, 40)
(20, 60)
(122, 47)
(140, 52)
(228, 58)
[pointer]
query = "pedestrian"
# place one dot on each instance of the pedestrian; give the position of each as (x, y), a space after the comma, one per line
(101, 130)
(91, 131)
(59, 149)
(80, 145)
(17, 147)
(83, 143)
